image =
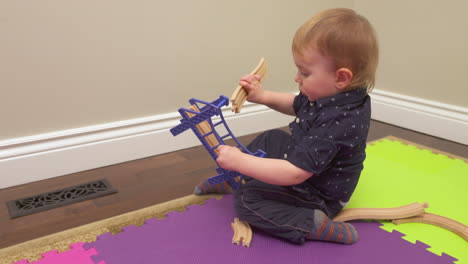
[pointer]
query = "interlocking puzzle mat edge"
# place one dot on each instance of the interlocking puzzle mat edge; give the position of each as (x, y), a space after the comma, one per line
(412, 165)
(61, 241)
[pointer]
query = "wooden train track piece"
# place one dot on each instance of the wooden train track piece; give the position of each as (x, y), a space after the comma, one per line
(205, 128)
(242, 233)
(437, 220)
(198, 118)
(239, 96)
(405, 211)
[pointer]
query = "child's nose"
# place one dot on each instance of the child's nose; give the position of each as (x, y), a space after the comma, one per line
(297, 79)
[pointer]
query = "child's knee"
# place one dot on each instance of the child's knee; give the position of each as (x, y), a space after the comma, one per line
(242, 205)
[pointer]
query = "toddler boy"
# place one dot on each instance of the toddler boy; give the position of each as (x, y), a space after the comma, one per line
(308, 176)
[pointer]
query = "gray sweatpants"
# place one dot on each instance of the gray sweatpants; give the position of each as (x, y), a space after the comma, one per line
(281, 211)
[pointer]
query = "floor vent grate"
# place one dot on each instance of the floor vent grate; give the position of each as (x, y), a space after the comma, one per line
(59, 198)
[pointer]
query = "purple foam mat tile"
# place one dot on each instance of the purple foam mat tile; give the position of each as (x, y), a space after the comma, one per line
(107, 235)
(202, 234)
(128, 228)
(421, 245)
(424, 246)
(448, 258)
(171, 214)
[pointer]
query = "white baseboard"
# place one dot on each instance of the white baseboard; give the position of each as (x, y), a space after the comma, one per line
(433, 118)
(44, 156)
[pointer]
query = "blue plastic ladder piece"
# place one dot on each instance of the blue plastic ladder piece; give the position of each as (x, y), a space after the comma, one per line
(207, 111)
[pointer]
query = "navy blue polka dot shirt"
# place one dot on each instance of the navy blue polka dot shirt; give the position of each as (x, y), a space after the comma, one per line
(328, 138)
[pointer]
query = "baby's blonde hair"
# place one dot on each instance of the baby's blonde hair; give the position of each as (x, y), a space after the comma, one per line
(345, 37)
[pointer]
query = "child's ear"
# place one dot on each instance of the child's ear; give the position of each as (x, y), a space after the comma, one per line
(343, 78)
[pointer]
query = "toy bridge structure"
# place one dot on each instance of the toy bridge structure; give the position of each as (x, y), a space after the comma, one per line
(199, 118)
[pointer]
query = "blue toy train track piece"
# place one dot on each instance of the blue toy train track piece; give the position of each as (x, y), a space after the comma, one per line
(191, 118)
(207, 111)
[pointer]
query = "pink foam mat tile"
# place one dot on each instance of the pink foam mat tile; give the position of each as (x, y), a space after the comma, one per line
(76, 255)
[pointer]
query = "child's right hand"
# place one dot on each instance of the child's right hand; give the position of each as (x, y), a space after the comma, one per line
(252, 85)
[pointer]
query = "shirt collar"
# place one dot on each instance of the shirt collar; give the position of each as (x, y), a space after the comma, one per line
(343, 98)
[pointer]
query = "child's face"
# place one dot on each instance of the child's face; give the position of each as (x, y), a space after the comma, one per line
(315, 75)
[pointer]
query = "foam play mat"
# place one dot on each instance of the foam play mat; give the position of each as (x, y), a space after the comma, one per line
(395, 174)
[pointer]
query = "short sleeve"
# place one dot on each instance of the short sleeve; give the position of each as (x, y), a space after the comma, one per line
(313, 154)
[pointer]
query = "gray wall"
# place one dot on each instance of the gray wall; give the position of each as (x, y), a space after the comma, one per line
(69, 64)
(424, 47)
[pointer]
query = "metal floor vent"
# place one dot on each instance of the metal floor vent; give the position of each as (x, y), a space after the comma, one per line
(58, 198)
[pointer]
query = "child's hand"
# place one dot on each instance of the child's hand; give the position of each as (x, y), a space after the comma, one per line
(252, 85)
(227, 157)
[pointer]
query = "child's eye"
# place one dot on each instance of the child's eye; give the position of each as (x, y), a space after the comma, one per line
(305, 74)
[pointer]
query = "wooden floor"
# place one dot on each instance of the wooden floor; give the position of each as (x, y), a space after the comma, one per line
(142, 183)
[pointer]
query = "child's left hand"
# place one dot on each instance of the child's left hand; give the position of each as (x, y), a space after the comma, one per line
(228, 156)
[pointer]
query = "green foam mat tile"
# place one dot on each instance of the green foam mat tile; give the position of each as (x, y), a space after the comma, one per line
(397, 174)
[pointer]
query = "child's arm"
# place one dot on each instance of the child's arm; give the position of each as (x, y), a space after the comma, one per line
(281, 102)
(272, 171)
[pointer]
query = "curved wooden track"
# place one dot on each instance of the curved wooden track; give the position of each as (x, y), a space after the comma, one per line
(242, 233)
(381, 213)
(240, 95)
(437, 220)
